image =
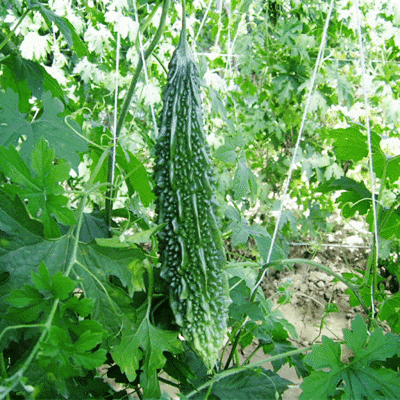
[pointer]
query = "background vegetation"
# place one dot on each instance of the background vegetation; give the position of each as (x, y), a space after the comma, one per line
(300, 129)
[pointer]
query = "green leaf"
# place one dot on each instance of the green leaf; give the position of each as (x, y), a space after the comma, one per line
(42, 280)
(96, 266)
(331, 308)
(350, 143)
(28, 296)
(248, 274)
(138, 269)
(93, 226)
(42, 193)
(17, 228)
(264, 244)
(136, 176)
(15, 168)
(113, 261)
(241, 306)
(320, 384)
(67, 29)
(283, 346)
(20, 262)
(360, 379)
(219, 108)
(367, 348)
(113, 307)
(62, 286)
(393, 168)
(177, 369)
(227, 152)
(24, 77)
(391, 312)
(244, 181)
(12, 123)
(240, 233)
(65, 358)
(81, 306)
(145, 344)
(87, 341)
(355, 198)
(51, 125)
(391, 226)
(17, 89)
(249, 384)
(128, 241)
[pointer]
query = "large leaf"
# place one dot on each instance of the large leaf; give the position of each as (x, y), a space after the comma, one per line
(17, 228)
(144, 344)
(72, 38)
(96, 267)
(248, 385)
(93, 226)
(12, 123)
(28, 78)
(350, 143)
(355, 198)
(52, 126)
(244, 181)
(136, 174)
(361, 380)
(42, 193)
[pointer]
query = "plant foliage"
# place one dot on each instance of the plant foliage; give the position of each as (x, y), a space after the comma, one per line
(83, 297)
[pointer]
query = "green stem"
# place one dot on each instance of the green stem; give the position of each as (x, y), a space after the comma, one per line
(374, 254)
(150, 17)
(3, 370)
(12, 327)
(168, 382)
(247, 360)
(160, 62)
(151, 289)
(208, 392)
(234, 371)
(8, 37)
(184, 17)
(234, 347)
(127, 101)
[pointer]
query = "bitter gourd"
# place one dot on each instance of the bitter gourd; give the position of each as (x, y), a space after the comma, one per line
(191, 250)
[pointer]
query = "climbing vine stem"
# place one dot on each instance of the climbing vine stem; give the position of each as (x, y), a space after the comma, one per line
(127, 101)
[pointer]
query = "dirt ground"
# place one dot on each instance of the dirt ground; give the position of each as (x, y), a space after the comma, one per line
(311, 290)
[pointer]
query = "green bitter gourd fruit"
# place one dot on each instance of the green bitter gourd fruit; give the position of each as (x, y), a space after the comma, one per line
(191, 249)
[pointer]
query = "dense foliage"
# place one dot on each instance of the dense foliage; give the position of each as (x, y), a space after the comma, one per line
(83, 294)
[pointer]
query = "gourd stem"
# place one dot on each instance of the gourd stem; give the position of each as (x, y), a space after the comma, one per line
(183, 17)
(127, 102)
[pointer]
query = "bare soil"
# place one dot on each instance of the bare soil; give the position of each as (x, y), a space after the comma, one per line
(311, 290)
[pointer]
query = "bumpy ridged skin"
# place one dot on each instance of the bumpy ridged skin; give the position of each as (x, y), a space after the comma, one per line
(191, 249)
